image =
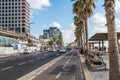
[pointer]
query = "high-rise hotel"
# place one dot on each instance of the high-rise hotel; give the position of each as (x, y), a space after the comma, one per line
(15, 16)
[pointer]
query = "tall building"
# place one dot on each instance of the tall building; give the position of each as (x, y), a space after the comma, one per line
(46, 34)
(52, 31)
(15, 16)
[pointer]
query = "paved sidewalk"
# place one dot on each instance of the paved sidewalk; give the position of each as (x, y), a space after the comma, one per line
(99, 74)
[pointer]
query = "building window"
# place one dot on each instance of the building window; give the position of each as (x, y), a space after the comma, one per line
(3, 3)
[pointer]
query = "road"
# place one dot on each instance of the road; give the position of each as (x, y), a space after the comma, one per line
(13, 68)
(67, 68)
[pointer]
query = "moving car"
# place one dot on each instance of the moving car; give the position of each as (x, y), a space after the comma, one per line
(26, 51)
(62, 50)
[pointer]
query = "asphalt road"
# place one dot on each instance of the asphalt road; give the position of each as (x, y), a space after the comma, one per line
(16, 67)
(67, 68)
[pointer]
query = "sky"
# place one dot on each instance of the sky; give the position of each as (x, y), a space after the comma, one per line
(47, 13)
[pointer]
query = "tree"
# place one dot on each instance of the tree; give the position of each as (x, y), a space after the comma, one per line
(78, 30)
(51, 42)
(114, 73)
(84, 9)
(60, 40)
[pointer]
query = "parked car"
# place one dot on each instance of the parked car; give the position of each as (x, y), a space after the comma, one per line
(62, 50)
(26, 51)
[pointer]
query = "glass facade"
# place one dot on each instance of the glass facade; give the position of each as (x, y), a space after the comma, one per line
(6, 41)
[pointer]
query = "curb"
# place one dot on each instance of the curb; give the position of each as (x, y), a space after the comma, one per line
(86, 72)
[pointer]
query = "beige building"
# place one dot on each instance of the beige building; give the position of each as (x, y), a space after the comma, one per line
(44, 43)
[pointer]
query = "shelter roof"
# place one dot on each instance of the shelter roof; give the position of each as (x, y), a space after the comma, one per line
(101, 36)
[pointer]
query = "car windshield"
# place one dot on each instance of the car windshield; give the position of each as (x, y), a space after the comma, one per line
(25, 50)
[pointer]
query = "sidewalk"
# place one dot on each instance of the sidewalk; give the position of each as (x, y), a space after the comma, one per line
(98, 74)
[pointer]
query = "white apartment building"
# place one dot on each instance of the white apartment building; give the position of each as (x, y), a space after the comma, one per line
(15, 16)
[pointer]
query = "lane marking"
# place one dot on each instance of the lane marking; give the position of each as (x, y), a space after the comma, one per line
(22, 63)
(32, 78)
(39, 72)
(67, 62)
(58, 75)
(50, 65)
(30, 60)
(7, 68)
(45, 68)
(64, 66)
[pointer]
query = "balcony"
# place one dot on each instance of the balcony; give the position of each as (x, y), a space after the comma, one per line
(23, 17)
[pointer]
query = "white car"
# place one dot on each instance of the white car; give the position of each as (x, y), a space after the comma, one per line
(62, 50)
(26, 51)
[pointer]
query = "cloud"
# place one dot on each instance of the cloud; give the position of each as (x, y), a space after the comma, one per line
(56, 24)
(68, 34)
(117, 7)
(100, 30)
(53, 24)
(39, 4)
(98, 19)
(98, 22)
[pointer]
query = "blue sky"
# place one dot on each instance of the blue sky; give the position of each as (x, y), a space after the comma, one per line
(46, 13)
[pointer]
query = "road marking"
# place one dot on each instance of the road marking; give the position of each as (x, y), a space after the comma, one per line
(50, 65)
(32, 78)
(45, 68)
(39, 72)
(30, 60)
(67, 62)
(7, 68)
(64, 66)
(58, 75)
(22, 63)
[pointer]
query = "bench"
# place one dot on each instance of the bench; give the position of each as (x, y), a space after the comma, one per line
(96, 62)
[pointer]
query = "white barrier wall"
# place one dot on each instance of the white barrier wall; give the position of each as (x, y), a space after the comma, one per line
(7, 50)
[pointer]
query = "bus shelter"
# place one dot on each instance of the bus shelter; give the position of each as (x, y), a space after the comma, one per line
(101, 37)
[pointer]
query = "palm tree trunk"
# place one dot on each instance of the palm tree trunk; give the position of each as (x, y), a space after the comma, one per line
(81, 42)
(86, 32)
(112, 38)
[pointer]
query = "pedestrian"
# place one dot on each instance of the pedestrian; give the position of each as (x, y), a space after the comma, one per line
(81, 51)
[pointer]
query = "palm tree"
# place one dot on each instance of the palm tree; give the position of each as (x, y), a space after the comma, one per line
(78, 30)
(114, 73)
(84, 9)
